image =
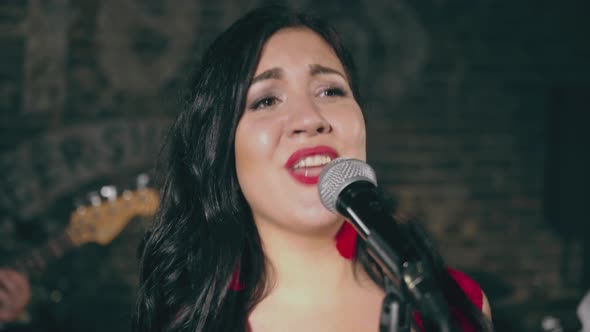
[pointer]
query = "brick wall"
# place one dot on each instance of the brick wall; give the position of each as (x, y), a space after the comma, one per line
(457, 100)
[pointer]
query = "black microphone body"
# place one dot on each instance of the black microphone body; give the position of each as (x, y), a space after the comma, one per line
(361, 203)
(349, 187)
(395, 249)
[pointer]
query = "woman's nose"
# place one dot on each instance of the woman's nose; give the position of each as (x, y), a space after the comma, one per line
(307, 118)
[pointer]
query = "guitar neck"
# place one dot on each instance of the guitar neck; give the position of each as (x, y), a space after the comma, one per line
(97, 223)
(36, 259)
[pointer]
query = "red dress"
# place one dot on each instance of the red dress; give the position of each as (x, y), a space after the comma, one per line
(346, 242)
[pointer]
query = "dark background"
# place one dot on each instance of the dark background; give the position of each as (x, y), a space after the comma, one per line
(476, 116)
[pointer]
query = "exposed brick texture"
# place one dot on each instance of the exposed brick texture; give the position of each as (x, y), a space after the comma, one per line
(459, 98)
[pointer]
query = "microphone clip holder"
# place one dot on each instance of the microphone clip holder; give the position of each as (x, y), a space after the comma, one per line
(395, 313)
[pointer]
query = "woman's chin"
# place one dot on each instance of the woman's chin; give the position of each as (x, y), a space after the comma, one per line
(319, 221)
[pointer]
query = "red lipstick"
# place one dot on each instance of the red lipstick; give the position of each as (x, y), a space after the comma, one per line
(308, 175)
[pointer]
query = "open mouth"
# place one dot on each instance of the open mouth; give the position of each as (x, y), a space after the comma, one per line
(305, 165)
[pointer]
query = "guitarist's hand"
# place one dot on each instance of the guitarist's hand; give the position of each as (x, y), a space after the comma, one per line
(15, 293)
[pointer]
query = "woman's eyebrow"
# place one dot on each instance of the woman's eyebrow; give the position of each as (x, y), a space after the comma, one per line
(317, 69)
(273, 73)
(277, 73)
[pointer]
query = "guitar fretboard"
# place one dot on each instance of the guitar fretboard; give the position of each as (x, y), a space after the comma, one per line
(37, 258)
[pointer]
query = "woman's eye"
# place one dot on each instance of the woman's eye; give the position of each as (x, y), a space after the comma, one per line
(264, 102)
(331, 92)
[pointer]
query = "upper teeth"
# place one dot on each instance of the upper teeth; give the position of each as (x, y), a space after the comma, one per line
(311, 161)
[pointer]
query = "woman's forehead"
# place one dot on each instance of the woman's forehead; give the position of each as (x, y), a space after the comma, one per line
(294, 46)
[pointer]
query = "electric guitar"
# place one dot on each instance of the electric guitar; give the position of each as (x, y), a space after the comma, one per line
(99, 222)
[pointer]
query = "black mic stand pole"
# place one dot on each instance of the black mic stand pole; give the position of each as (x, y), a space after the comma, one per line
(395, 313)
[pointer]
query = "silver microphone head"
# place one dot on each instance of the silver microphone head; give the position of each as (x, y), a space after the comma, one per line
(340, 173)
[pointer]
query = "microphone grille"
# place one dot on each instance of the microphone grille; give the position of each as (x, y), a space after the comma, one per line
(338, 174)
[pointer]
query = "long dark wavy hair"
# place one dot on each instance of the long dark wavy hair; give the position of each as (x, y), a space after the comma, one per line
(204, 230)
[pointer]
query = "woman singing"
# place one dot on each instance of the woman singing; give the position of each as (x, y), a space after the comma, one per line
(242, 241)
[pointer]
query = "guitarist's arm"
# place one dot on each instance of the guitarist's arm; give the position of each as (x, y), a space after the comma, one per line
(15, 293)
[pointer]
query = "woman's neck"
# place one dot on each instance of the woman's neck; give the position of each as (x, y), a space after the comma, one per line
(307, 270)
(313, 288)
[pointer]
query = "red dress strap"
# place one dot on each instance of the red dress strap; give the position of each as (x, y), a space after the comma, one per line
(473, 292)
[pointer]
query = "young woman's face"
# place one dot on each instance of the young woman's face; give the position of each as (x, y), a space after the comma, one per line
(300, 114)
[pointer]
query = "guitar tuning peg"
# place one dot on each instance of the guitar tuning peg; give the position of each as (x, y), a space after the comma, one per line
(109, 192)
(79, 203)
(94, 198)
(127, 194)
(142, 181)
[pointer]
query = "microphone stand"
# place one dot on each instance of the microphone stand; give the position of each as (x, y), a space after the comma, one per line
(412, 270)
(411, 276)
(395, 313)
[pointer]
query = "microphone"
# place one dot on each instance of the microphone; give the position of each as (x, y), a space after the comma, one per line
(349, 187)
